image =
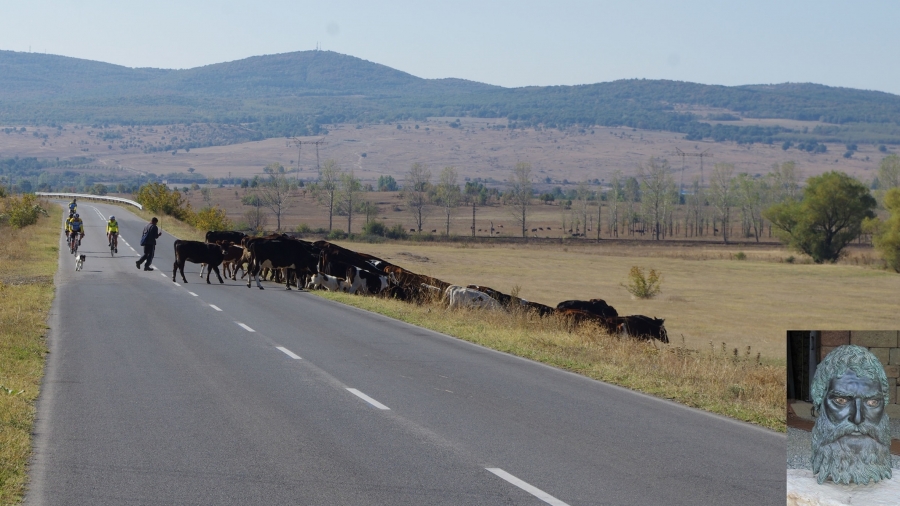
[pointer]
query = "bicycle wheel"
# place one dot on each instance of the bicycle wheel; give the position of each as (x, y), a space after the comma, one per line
(112, 249)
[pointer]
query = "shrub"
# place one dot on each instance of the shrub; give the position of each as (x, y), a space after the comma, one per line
(336, 235)
(211, 219)
(21, 211)
(303, 228)
(643, 286)
(374, 228)
(740, 255)
(396, 232)
(158, 198)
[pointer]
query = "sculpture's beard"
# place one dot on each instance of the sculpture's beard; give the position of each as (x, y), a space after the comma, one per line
(851, 459)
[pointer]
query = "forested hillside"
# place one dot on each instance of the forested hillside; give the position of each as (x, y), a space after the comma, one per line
(300, 93)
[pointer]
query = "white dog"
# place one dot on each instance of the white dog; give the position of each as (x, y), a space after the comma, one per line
(79, 262)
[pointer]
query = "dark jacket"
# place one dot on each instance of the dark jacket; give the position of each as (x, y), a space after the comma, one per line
(151, 232)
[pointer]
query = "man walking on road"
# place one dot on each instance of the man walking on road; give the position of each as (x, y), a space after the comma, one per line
(148, 241)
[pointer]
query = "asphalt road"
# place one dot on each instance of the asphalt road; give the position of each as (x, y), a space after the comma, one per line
(164, 393)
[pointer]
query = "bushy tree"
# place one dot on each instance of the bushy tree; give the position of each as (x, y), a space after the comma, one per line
(886, 234)
(827, 219)
(158, 198)
(211, 218)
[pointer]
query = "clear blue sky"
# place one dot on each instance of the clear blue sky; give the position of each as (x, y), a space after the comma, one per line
(507, 43)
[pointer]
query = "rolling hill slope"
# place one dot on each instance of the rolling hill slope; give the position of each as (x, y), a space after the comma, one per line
(300, 93)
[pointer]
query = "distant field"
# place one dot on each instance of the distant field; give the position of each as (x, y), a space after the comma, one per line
(707, 297)
(477, 149)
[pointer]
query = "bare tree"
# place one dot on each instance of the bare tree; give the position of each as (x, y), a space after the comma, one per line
(415, 192)
(448, 193)
(582, 197)
(721, 189)
(613, 196)
(257, 219)
(275, 194)
(349, 190)
(520, 193)
(656, 186)
(326, 188)
(632, 193)
(889, 172)
(785, 182)
(750, 195)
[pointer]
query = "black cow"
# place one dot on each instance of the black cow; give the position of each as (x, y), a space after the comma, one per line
(644, 327)
(597, 306)
(291, 254)
(334, 260)
(223, 235)
(197, 252)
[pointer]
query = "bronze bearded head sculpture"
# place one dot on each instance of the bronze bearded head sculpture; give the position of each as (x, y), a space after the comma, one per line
(851, 439)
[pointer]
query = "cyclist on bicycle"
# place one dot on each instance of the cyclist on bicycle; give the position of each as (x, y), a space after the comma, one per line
(73, 206)
(112, 233)
(68, 230)
(76, 227)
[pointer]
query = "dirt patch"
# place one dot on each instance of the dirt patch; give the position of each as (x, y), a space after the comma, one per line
(413, 257)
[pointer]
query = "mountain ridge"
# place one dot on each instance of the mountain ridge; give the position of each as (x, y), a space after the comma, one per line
(301, 92)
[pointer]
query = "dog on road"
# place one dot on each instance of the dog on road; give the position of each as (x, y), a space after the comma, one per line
(79, 262)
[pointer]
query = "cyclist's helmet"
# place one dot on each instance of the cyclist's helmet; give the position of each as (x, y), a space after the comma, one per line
(112, 218)
(74, 199)
(77, 215)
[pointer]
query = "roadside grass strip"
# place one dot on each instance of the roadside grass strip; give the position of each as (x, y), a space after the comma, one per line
(531, 489)
(28, 259)
(720, 380)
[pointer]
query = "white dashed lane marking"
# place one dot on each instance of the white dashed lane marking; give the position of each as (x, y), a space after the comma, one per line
(245, 327)
(215, 307)
(531, 489)
(289, 353)
(176, 284)
(367, 398)
(192, 293)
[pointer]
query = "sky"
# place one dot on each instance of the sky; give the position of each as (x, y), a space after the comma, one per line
(505, 43)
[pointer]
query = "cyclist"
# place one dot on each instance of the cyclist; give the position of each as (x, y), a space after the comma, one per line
(69, 226)
(73, 206)
(77, 228)
(112, 233)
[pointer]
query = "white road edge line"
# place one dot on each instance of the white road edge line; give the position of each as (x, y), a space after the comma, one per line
(192, 293)
(367, 398)
(163, 274)
(288, 352)
(248, 329)
(215, 307)
(531, 489)
(177, 284)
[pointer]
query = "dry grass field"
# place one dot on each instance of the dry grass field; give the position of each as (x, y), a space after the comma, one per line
(28, 259)
(477, 149)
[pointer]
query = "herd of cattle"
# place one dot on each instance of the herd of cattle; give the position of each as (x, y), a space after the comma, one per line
(327, 266)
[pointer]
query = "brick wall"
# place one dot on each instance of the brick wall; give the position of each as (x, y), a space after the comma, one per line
(884, 344)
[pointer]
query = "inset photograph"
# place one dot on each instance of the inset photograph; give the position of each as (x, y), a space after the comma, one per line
(843, 417)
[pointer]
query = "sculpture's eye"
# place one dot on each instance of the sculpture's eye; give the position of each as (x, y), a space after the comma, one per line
(873, 403)
(840, 401)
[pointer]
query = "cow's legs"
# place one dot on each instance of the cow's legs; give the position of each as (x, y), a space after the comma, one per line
(215, 268)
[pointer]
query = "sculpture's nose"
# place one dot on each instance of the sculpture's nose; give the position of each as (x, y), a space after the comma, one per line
(857, 414)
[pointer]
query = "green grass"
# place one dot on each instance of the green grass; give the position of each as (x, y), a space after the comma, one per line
(28, 260)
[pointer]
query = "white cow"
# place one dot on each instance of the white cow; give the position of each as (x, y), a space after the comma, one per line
(364, 282)
(324, 281)
(460, 296)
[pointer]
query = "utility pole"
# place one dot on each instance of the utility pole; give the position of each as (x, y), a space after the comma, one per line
(299, 143)
(682, 154)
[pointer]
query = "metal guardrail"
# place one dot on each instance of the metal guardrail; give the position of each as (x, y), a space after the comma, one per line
(88, 196)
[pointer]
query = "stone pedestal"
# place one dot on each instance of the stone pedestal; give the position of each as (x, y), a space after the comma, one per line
(802, 490)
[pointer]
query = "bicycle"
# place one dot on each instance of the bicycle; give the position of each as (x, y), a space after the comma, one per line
(113, 244)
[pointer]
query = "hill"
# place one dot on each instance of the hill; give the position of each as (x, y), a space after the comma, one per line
(301, 93)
